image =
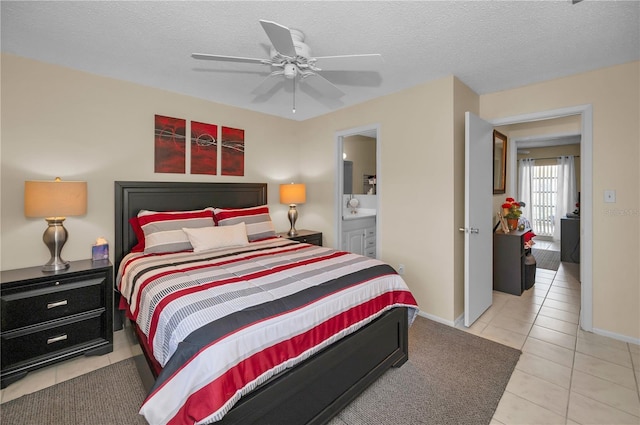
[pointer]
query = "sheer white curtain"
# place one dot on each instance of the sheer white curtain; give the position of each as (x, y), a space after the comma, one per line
(525, 189)
(567, 191)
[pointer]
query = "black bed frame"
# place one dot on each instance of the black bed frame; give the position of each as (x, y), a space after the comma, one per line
(317, 389)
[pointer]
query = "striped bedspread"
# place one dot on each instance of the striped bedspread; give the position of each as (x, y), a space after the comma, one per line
(222, 322)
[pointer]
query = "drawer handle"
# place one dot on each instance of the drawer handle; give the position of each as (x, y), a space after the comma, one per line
(56, 339)
(56, 304)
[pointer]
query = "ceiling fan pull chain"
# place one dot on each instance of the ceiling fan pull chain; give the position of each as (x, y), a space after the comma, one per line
(294, 94)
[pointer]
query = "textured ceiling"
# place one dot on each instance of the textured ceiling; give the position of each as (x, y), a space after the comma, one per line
(490, 46)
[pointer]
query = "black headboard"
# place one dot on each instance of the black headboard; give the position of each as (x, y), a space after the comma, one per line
(131, 197)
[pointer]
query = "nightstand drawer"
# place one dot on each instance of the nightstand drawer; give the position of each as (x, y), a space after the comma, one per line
(306, 236)
(32, 342)
(46, 302)
(312, 239)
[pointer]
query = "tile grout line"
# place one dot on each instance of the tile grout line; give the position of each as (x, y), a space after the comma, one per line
(534, 403)
(633, 371)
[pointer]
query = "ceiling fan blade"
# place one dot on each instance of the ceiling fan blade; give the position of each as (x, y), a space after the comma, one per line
(268, 83)
(322, 86)
(269, 94)
(280, 37)
(329, 103)
(205, 56)
(348, 62)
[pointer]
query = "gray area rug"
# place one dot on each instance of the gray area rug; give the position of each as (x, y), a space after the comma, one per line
(108, 396)
(452, 377)
(546, 259)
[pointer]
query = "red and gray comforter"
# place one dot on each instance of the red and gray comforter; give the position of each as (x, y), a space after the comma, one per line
(222, 322)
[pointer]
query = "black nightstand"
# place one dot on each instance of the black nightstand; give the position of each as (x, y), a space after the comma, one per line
(52, 317)
(307, 236)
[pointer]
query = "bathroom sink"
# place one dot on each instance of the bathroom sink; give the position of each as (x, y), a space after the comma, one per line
(359, 213)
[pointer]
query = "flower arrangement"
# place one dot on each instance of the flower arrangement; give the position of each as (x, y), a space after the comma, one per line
(511, 209)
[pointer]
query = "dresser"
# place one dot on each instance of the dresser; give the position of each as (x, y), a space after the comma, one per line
(508, 261)
(51, 317)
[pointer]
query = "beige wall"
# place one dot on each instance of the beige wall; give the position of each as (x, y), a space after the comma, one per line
(61, 122)
(416, 136)
(614, 93)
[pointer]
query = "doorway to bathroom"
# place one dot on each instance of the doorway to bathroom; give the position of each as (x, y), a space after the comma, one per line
(357, 193)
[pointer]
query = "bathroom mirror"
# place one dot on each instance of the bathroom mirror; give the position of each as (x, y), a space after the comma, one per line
(499, 162)
(359, 165)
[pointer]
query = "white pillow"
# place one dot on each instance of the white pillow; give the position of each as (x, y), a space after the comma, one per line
(206, 238)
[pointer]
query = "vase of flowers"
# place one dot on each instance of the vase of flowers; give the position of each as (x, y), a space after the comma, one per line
(512, 212)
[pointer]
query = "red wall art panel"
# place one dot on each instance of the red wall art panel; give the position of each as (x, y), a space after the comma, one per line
(204, 148)
(232, 152)
(169, 140)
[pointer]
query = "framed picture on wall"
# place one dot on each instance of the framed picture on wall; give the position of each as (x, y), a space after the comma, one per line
(232, 155)
(169, 144)
(499, 162)
(204, 148)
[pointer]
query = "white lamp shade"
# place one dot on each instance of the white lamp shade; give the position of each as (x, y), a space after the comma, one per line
(55, 198)
(294, 193)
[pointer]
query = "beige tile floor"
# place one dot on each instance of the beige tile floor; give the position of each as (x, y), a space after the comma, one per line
(564, 375)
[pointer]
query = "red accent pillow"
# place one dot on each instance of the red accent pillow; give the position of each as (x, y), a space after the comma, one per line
(135, 225)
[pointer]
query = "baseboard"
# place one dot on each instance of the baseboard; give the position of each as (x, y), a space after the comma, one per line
(614, 335)
(436, 318)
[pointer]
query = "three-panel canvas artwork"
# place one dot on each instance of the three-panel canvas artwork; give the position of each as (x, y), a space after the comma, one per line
(209, 145)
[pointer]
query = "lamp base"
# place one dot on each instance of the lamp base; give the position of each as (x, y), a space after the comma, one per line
(54, 238)
(293, 216)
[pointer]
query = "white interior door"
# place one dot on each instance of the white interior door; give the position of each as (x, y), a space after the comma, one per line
(478, 223)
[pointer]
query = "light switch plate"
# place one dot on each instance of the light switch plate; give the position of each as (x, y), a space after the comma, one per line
(610, 196)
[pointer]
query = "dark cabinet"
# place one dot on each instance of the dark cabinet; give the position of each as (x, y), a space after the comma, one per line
(508, 261)
(570, 240)
(51, 317)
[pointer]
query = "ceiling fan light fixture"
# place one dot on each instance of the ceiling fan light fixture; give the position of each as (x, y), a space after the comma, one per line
(290, 71)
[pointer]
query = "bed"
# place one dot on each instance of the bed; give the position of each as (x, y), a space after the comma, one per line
(311, 391)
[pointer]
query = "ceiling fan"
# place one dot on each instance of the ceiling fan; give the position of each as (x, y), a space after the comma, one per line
(291, 57)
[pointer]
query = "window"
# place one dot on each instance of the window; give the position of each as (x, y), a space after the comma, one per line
(544, 194)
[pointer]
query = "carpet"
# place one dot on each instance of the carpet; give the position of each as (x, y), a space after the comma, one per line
(546, 259)
(107, 396)
(451, 377)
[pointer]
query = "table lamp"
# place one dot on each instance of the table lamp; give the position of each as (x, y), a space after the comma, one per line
(293, 194)
(55, 200)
